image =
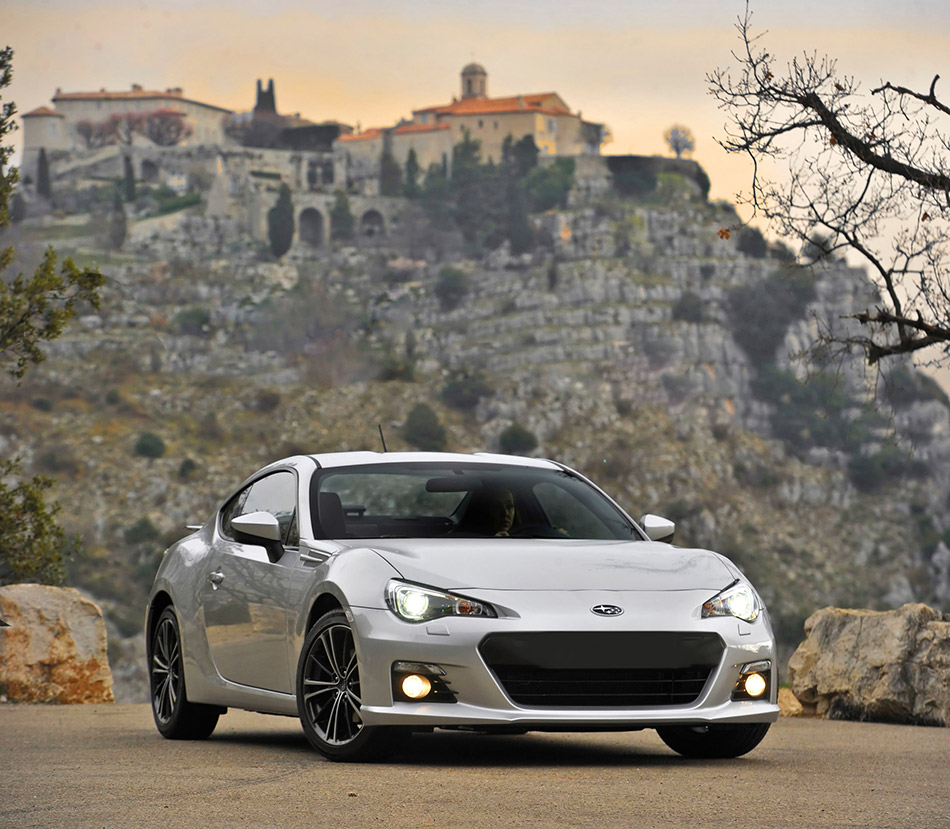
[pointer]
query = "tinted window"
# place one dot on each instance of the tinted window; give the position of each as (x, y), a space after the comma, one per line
(276, 494)
(460, 500)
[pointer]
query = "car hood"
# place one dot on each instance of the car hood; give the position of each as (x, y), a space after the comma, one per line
(553, 564)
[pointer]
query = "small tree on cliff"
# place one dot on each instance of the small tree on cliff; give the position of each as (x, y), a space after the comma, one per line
(33, 310)
(680, 140)
(280, 223)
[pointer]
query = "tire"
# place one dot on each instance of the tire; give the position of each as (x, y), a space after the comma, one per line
(713, 741)
(175, 717)
(328, 696)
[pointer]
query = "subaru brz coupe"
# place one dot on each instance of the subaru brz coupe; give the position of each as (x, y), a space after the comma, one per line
(377, 594)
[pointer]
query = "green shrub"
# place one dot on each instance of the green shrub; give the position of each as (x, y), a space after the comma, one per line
(60, 460)
(141, 531)
(549, 185)
(751, 242)
(517, 440)
(394, 368)
(423, 430)
(689, 307)
(906, 386)
(870, 473)
(112, 397)
(451, 288)
(149, 445)
(267, 400)
(463, 393)
(42, 404)
(194, 322)
(760, 314)
(187, 469)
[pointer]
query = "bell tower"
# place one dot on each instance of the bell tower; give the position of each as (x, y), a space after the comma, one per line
(474, 81)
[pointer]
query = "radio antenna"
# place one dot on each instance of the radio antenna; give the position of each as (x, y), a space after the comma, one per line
(381, 438)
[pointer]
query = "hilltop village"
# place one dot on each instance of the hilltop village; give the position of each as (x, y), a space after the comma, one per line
(165, 139)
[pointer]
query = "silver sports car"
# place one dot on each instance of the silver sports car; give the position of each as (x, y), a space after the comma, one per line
(377, 594)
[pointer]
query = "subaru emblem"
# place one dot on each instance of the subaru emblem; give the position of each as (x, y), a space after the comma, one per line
(606, 610)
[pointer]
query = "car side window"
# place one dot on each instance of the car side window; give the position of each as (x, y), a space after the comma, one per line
(276, 494)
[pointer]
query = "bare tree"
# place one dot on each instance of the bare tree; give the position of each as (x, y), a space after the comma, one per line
(166, 127)
(122, 127)
(866, 171)
(94, 134)
(680, 140)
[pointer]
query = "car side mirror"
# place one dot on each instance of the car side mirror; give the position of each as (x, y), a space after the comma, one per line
(658, 528)
(260, 526)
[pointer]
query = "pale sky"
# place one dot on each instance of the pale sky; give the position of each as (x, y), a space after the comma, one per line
(637, 66)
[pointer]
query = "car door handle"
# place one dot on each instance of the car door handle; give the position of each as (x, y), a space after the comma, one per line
(216, 578)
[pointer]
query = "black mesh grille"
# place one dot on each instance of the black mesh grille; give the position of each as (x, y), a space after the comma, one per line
(602, 669)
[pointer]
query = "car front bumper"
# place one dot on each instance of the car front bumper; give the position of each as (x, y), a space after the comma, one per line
(453, 644)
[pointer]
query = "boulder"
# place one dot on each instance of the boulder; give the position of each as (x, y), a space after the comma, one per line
(891, 666)
(52, 646)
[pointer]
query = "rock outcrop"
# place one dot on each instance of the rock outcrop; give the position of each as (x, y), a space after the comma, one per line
(53, 646)
(891, 666)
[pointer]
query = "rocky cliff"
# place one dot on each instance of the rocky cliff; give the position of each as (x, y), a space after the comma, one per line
(632, 342)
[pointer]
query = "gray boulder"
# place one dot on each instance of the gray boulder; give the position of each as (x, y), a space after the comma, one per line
(891, 666)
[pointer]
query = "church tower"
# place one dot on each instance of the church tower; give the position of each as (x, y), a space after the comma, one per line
(474, 81)
(266, 106)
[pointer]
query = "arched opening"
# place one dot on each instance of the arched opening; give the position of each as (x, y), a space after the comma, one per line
(149, 171)
(311, 227)
(372, 224)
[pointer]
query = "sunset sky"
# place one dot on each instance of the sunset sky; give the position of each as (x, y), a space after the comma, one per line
(637, 66)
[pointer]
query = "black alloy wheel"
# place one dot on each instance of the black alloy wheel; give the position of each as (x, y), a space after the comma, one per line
(329, 697)
(175, 717)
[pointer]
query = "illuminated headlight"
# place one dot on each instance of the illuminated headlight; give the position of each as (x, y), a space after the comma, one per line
(738, 601)
(422, 604)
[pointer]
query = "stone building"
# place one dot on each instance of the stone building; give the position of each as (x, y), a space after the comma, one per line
(56, 131)
(435, 130)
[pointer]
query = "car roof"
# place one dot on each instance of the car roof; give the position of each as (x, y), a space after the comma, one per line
(335, 459)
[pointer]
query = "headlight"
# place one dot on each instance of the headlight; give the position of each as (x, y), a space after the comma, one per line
(738, 601)
(422, 604)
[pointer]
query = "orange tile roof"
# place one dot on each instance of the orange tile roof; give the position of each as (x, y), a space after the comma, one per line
(548, 103)
(365, 135)
(131, 95)
(43, 111)
(412, 128)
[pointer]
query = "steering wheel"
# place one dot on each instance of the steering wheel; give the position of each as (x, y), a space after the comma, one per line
(536, 529)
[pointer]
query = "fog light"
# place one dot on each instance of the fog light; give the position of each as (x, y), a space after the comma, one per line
(755, 685)
(415, 686)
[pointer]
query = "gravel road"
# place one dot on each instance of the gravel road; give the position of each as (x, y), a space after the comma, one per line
(105, 765)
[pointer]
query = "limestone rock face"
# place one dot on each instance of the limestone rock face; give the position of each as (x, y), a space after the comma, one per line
(891, 666)
(54, 647)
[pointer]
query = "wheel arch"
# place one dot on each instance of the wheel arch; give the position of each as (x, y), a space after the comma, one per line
(324, 603)
(160, 601)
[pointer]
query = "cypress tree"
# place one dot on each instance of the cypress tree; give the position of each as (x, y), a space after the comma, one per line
(117, 226)
(42, 175)
(341, 219)
(411, 187)
(129, 179)
(390, 175)
(280, 223)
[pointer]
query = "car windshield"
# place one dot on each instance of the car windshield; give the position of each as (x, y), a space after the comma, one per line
(431, 500)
